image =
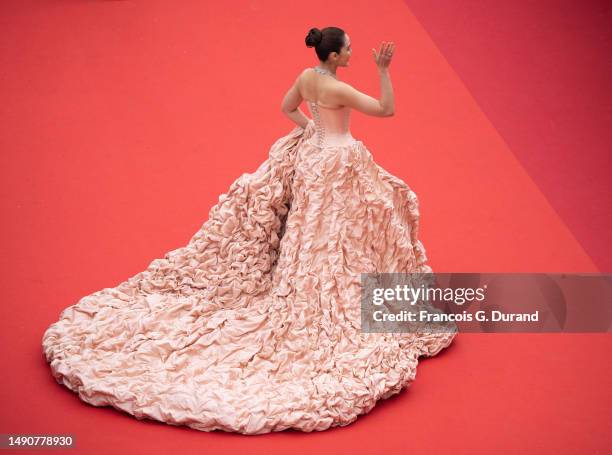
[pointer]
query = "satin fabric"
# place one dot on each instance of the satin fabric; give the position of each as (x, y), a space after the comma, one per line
(254, 325)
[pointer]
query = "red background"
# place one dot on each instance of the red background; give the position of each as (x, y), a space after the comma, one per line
(122, 122)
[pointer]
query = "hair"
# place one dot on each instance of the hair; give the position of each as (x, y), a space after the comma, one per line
(326, 41)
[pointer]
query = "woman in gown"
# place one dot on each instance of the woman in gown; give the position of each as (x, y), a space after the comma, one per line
(254, 325)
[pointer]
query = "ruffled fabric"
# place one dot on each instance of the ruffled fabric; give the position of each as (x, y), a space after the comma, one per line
(254, 325)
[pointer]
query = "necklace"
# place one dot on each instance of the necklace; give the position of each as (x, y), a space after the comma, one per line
(318, 69)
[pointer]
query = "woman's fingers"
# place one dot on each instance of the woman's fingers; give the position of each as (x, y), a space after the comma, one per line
(381, 56)
(385, 52)
(386, 48)
(389, 50)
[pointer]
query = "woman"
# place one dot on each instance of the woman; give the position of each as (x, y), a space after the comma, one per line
(254, 325)
(334, 51)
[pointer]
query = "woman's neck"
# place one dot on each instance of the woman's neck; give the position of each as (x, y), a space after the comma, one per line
(331, 68)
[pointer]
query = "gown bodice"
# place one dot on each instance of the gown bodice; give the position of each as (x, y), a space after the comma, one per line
(332, 125)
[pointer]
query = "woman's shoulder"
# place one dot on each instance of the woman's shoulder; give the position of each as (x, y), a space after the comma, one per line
(307, 71)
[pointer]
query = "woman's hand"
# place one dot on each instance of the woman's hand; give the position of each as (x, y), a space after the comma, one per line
(384, 55)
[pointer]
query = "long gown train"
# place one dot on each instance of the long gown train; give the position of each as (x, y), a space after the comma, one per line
(254, 325)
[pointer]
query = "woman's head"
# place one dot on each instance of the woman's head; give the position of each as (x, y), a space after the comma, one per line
(331, 44)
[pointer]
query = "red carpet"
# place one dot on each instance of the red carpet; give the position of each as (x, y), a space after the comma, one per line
(112, 118)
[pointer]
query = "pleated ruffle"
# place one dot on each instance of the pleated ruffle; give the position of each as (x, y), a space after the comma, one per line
(254, 325)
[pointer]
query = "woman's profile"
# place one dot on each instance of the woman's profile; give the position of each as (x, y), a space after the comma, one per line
(254, 325)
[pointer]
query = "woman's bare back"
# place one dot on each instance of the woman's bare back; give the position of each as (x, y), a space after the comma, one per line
(319, 88)
(331, 93)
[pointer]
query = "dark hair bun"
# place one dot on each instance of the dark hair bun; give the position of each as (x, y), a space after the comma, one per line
(314, 37)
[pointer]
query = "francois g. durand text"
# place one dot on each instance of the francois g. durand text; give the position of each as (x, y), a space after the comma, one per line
(480, 315)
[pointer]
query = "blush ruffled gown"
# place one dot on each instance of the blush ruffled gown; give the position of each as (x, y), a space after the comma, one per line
(254, 325)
